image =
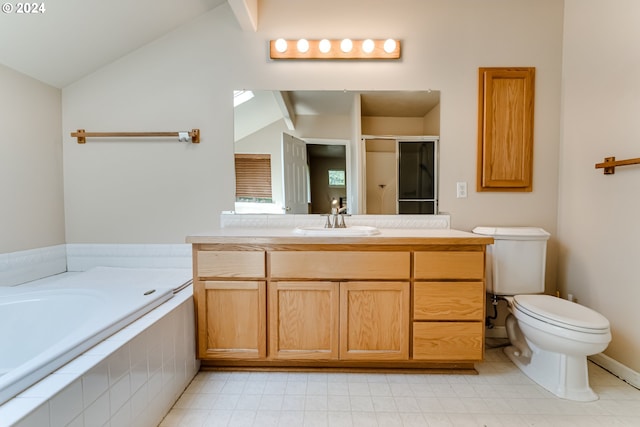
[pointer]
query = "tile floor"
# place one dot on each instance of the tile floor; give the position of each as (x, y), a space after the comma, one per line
(499, 396)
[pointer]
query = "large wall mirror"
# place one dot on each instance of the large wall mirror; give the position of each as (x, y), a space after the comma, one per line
(373, 152)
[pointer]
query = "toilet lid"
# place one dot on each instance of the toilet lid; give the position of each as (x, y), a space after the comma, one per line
(562, 313)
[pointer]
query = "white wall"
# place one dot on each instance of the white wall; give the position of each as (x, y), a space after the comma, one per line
(162, 191)
(31, 190)
(154, 192)
(599, 233)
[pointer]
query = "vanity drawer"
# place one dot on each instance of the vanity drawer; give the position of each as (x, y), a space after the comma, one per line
(340, 265)
(448, 265)
(231, 264)
(448, 301)
(447, 341)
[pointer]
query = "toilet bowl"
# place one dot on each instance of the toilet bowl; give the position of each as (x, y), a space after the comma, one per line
(550, 337)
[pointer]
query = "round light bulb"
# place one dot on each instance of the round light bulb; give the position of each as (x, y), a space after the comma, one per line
(303, 45)
(346, 45)
(367, 46)
(389, 45)
(281, 45)
(324, 46)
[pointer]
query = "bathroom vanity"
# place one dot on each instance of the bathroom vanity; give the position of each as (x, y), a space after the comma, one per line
(400, 299)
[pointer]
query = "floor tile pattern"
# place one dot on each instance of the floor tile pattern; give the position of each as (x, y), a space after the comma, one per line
(499, 396)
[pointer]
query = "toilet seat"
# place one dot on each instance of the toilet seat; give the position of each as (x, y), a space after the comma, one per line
(562, 313)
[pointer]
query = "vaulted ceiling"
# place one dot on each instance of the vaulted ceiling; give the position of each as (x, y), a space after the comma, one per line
(72, 38)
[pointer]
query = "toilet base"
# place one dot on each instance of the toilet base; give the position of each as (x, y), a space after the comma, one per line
(564, 375)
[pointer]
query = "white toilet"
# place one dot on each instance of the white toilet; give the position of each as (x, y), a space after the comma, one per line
(550, 337)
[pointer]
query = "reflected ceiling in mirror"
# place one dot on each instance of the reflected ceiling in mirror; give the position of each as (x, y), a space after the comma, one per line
(268, 106)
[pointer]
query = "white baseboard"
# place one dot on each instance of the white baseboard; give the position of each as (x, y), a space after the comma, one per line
(616, 368)
(496, 332)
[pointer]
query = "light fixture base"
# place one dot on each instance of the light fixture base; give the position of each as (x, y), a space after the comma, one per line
(361, 49)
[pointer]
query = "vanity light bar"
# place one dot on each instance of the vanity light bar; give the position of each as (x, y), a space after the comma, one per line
(334, 49)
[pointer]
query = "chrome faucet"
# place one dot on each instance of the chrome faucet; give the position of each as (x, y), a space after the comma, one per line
(336, 218)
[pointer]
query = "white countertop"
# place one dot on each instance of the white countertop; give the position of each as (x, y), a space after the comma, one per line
(386, 236)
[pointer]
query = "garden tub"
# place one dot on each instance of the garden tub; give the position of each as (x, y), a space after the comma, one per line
(46, 324)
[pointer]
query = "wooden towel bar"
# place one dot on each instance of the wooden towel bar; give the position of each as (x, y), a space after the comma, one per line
(82, 135)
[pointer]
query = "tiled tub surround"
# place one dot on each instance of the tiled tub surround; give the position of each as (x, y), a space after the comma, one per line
(132, 377)
(33, 264)
(83, 256)
(52, 321)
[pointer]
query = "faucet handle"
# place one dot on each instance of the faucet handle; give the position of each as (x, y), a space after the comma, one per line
(341, 224)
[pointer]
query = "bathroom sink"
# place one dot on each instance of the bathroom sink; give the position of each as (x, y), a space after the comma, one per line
(356, 230)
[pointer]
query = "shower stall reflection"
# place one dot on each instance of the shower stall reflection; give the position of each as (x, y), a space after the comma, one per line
(417, 163)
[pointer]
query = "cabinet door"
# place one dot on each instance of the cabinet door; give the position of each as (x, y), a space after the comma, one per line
(374, 320)
(231, 319)
(303, 320)
(505, 129)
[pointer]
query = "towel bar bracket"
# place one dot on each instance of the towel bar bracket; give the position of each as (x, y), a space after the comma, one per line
(610, 163)
(609, 170)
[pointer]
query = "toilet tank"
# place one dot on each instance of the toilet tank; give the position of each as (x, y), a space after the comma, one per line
(516, 260)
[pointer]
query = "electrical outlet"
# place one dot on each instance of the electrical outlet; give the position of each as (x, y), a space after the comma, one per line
(461, 190)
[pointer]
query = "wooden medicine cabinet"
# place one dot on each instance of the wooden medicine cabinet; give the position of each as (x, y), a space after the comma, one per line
(505, 129)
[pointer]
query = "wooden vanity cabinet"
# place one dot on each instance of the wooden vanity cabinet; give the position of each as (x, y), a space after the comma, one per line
(340, 305)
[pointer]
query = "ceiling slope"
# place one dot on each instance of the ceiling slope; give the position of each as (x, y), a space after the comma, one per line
(246, 12)
(72, 38)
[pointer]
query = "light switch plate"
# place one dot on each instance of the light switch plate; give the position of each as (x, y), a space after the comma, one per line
(461, 190)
